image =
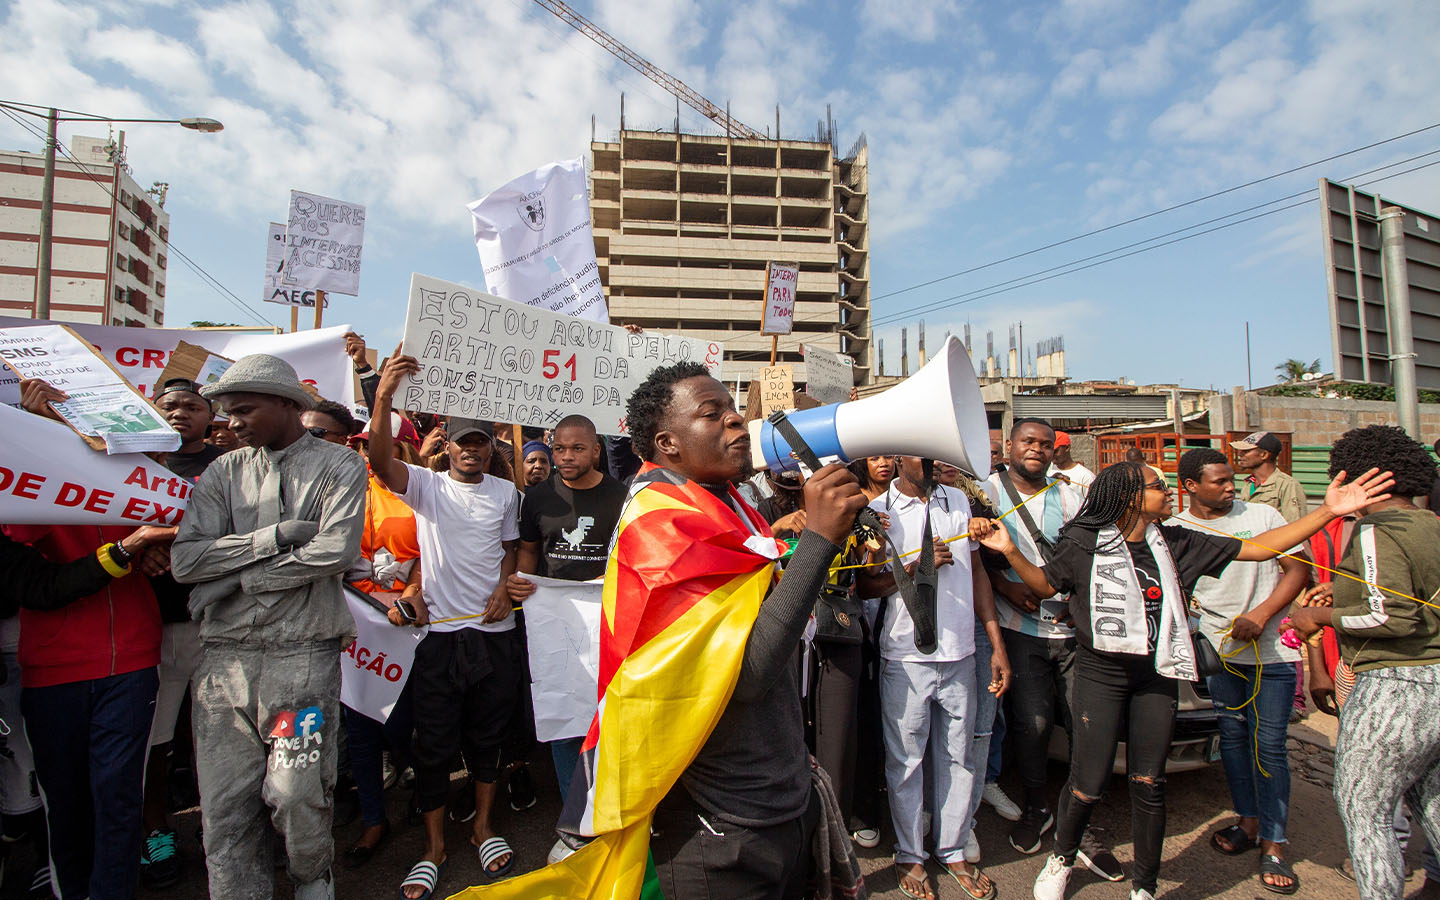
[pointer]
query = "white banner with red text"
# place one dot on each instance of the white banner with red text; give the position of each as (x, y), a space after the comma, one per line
(374, 668)
(50, 476)
(140, 354)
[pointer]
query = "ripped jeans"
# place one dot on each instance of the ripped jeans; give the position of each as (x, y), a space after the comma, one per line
(1109, 690)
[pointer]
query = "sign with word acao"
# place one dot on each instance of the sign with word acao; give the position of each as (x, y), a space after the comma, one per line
(376, 665)
(49, 476)
(322, 245)
(780, 282)
(484, 357)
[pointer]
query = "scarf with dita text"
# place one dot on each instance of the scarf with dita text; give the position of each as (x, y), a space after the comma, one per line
(1117, 607)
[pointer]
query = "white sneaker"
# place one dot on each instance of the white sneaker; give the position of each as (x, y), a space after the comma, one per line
(1139, 894)
(558, 852)
(866, 837)
(1050, 883)
(972, 848)
(1005, 808)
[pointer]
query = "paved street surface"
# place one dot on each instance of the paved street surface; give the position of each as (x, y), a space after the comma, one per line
(1192, 870)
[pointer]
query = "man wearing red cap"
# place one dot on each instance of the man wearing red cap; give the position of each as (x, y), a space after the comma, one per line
(1066, 467)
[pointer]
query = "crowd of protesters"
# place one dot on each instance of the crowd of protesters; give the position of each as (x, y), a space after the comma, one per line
(986, 614)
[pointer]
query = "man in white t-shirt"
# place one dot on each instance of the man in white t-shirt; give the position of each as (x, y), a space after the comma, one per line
(467, 672)
(1066, 467)
(1240, 613)
(932, 693)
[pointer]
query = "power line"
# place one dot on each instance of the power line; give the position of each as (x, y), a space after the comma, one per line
(205, 276)
(1005, 286)
(1149, 215)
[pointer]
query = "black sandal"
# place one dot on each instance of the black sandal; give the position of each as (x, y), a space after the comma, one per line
(1235, 836)
(359, 854)
(1275, 865)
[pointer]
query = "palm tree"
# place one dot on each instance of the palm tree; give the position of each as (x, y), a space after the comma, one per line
(1294, 370)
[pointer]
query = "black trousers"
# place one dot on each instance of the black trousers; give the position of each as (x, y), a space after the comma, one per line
(1108, 691)
(834, 708)
(464, 686)
(1039, 698)
(699, 856)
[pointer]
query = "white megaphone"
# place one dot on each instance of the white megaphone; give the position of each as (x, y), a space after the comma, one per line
(936, 413)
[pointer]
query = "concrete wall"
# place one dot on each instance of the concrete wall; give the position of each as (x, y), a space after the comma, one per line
(1319, 420)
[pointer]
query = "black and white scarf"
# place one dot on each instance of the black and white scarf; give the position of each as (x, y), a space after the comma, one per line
(1117, 606)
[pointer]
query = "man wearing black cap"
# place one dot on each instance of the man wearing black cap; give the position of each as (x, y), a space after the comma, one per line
(179, 401)
(270, 531)
(467, 672)
(1260, 454)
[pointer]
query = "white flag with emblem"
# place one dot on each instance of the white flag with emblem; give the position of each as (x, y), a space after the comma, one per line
(535, 242)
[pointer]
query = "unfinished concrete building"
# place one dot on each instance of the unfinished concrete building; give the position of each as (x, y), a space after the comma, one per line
(685, 224)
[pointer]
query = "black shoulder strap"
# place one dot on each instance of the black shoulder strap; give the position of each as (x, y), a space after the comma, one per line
(1042, 543)
(921, 613)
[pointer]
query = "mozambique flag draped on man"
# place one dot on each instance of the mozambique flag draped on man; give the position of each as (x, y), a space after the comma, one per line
(682, 589)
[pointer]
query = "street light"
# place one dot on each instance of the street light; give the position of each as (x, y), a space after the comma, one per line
(47, 190)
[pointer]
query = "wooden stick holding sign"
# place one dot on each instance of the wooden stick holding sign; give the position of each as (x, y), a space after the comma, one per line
(517, 441)
(319, 307)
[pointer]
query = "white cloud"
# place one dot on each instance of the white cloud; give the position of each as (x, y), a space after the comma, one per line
(921, 21)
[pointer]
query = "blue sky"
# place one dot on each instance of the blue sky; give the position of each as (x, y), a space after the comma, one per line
(993, 129)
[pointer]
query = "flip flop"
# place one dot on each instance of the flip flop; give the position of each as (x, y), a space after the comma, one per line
(973, 879)
(903, 873)
(491, 850)
(424, 874)
(1235, 836)
(1274, 865)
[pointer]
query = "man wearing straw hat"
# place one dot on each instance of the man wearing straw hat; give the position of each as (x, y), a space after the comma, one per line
(270, 530)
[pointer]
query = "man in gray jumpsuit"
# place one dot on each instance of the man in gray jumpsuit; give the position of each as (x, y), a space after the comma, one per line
(269, 531)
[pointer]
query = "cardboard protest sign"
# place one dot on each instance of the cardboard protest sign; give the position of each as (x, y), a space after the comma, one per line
(48, 476)
(777, 389)
(562, 630)
(141, 354)
(780, 282)
(322, 245)
(195, 363)
(535, 242)
(828, 376)
(102, 406)
(484, 357)
(374, 668)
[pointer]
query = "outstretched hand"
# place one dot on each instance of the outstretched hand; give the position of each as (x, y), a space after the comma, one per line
(1345, 499)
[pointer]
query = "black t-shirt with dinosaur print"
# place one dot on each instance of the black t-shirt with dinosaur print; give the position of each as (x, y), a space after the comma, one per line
(573, 527)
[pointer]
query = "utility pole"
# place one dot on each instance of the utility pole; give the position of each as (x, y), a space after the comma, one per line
(1397, 309)
(47, 223)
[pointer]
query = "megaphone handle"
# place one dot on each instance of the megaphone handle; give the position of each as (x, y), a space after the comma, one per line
(791, 434)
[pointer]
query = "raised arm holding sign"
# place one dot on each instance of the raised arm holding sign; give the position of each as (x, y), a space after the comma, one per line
(484, 357)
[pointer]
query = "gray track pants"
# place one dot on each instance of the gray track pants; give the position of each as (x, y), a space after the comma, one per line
(1388, 748)
(267, 726)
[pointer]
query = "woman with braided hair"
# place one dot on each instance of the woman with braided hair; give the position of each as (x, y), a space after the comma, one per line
(1128, 576)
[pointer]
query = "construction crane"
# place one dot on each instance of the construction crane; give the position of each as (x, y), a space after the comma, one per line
(669, 82)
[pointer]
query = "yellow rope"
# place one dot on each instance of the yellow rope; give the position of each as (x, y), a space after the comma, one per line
(958, 537)
(1259, 669)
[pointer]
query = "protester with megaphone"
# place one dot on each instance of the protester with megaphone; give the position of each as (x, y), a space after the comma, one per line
(928, 681)
(1128, 577)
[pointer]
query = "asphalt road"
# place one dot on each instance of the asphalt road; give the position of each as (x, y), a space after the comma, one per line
(1198, 804)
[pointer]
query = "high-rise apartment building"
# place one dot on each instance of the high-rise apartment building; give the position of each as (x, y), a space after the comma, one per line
(685, 224)
(109, 244)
